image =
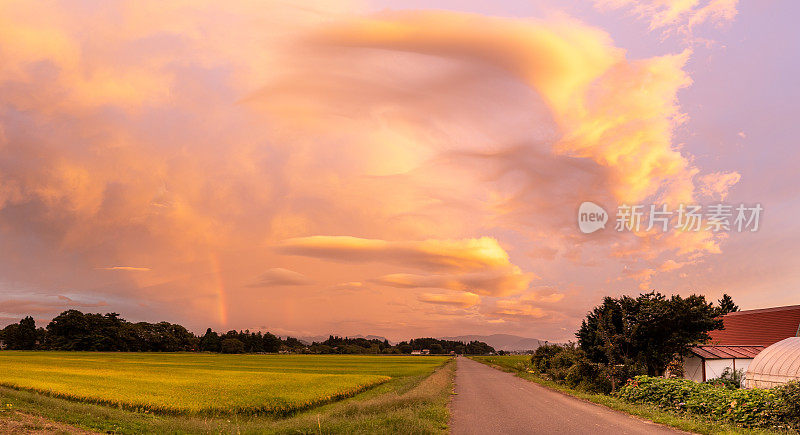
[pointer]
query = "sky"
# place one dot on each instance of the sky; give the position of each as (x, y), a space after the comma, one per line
(397, 168)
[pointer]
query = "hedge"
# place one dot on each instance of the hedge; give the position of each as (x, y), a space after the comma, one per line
(777, 407)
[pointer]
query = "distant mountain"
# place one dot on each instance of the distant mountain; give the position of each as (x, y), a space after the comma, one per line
(501, 341)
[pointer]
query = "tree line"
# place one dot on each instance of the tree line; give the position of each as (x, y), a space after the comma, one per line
(74, 330)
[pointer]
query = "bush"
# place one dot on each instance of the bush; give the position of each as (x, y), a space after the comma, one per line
(731, 379)
(788, 404)
(568, 365)
(777, 407)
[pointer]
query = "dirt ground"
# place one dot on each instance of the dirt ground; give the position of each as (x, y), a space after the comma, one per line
(19, 423)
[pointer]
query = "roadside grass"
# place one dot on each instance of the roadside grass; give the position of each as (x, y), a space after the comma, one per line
(414, 404)
(519, 365)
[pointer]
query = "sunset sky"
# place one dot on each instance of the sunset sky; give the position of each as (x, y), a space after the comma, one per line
(398, 168)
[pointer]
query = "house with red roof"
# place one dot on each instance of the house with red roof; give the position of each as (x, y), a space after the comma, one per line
(745, 335)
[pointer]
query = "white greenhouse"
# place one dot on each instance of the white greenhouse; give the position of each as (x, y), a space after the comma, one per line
(775, 365)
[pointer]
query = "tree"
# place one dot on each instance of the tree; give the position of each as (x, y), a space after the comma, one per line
(644, 334)
(210, 341)
(22, 335)
(478, 348)
(272, 343)
(726, 305)
(293, 343)
(232, 345)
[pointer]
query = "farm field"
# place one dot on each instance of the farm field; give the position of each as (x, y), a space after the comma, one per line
(509, 362)
(206, 384)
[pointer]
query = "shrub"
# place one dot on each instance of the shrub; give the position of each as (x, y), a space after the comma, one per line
(731, 379)
(788, 404)
(568, 365)
(776, 407)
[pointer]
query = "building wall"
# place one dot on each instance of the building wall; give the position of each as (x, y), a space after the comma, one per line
(693, 367)
(715, 367)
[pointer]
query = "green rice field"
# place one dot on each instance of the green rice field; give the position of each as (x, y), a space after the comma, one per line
(209, 384)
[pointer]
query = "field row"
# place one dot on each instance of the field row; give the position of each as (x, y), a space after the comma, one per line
(204, 384)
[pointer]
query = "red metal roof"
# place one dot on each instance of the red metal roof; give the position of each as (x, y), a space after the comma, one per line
(758, 327)
(727, 352)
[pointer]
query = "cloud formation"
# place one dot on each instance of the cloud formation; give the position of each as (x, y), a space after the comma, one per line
(496, 282)
(678, 15)
(444, 150)
(431, 254)
(462, 300)
(281, 277)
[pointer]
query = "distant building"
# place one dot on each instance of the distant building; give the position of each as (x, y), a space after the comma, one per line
(745, 335)
(426, 351)
(416, 352)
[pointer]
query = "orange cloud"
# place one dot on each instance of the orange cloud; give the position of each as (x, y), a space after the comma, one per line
(514, 309)
(495, 282)
(681, 14)
(349, 286)
(716, 185)
(281, 277)
(548, 298)
(617, 112)
(45, 305)
(463, 300)
(465, 254)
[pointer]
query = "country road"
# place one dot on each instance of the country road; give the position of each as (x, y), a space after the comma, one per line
(489, 401)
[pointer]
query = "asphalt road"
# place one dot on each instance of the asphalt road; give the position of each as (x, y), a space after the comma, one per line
(489, 401)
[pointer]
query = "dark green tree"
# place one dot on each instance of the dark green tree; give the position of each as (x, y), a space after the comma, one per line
(22, 335)
(478, 348)
(232, 345)
(210, 341)
(726, 305)
(644, 334)
(293, 344)
(271, 343)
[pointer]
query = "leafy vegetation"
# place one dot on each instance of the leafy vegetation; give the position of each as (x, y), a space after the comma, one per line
(726, 305)
(729, 379)
(775, 408)
(203, 384)
(642, 335)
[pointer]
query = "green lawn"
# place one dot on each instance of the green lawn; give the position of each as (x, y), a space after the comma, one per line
(207, 384)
